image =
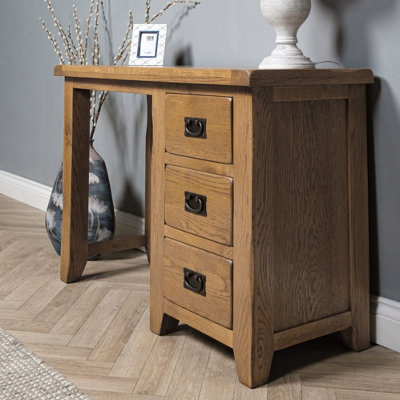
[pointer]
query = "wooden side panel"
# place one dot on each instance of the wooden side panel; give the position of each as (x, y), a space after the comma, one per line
(217, 146)
(159, 322)
(217, 224)
(74, 249)
(253, 330)
(358, 336)
(216, 304)
(310, 220)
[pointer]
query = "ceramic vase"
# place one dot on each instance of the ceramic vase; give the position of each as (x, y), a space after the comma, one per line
(286, 17)
(101, 218)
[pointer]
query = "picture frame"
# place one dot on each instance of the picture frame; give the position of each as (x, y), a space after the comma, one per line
(148, 45)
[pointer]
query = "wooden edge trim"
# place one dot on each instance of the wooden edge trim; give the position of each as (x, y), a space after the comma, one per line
(303, 333)
(199, 76)
(219, 77)
(217, 332)
(111, 246)
(196, 241)
(199, 165)
(113, 85)
(337, 76)
(307, 93)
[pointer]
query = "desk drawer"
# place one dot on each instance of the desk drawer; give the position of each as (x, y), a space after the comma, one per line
(199, 127)
(199, 203)
(198, 281)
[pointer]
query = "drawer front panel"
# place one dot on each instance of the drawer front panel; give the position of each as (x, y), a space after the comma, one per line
(198, 281)
(199, 127)
(199, 203)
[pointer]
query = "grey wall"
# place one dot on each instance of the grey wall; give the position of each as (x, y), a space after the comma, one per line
(358, 33)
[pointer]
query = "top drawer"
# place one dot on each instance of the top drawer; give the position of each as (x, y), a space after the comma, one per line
(199, 127)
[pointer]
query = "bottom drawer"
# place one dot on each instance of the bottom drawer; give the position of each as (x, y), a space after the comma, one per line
(198, 281)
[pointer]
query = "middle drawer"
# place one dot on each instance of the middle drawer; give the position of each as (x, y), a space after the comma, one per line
(199, 203)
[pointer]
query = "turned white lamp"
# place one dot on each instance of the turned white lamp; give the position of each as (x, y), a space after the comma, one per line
(286, 17)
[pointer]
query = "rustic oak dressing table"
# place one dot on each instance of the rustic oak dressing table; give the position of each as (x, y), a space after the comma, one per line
(257, 228)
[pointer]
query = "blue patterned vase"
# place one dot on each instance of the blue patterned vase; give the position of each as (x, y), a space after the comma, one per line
(101, 219)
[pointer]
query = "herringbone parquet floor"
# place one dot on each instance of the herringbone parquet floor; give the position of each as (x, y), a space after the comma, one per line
(96, 333)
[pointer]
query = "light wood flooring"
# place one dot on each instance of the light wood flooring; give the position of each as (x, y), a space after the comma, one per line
(96, 332)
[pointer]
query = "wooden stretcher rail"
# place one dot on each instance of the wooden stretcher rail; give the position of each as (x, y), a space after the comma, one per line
(111, 246)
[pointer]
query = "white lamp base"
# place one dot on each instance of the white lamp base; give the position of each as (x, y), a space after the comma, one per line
(286, 17)
(272, 62)
(287, 56)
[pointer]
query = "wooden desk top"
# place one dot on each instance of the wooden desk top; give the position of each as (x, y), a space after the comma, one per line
(218, 77)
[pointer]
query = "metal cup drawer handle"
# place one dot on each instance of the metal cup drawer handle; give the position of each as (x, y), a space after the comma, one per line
(194, 281)
(195, 127)
(196, 203)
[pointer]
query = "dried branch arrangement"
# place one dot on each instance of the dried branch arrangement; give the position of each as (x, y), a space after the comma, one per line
(76, 45)
(150, 20)
(76, 49)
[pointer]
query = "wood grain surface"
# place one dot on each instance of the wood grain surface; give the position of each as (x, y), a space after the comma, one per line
(197, 241)
(358, 336)
(111, 246)
(217, 225)
(219, 77)
(306, 93)
(74, 248)
(199, 165)
(216, 331)
(217, 111)
(308, 193)
(339, 76)
(312, 330)
(159, 323)
(253, 303)
(149, 148)
(216, 304)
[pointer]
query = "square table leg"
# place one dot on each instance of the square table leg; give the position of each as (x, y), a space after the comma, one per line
(74, 239)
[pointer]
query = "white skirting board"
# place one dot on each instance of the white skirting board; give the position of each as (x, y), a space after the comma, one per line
(24, 190)
(37, 195)
(385, 322)
(385, 313)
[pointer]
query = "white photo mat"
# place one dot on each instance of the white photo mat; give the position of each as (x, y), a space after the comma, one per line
(148, 44)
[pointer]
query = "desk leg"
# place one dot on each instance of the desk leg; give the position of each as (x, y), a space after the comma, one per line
(74, 239)
(149, 137)
(160, 323)
(357, 337)
(253, 309)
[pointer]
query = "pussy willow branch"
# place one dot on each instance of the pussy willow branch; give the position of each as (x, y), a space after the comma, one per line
(147, 12)
(53, 41)
(123, 53)
(61, 32)
(76, 48)
(89, 21)
(126, 42)
(169, 5)
(78, 31)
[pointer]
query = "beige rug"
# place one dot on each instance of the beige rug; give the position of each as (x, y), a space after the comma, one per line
(23, 376)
